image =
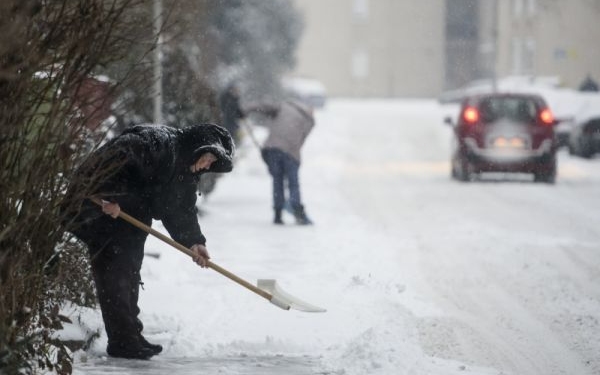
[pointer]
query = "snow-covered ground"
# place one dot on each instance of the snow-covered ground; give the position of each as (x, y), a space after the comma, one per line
(419, 274)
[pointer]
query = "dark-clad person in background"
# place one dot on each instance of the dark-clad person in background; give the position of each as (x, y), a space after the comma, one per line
(588, 84)
(151, 172)
(231, 111)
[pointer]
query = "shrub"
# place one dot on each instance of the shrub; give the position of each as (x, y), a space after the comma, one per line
(48, 51)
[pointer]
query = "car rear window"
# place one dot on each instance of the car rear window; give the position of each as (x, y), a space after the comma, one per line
(513, 108)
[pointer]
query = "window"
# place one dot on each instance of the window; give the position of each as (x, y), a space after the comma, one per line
(529, 56)
(517, 8)
(514, 108)
(360, 64)
(360, 9)
(523, 56)
(531, 7)
(517, 56)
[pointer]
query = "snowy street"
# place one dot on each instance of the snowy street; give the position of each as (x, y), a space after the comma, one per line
(419, 274)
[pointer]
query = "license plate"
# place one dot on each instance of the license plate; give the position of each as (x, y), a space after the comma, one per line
(509, 143)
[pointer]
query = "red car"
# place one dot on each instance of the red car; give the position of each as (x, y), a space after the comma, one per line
(504, 133)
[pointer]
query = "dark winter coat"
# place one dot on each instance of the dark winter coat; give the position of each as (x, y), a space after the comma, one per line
(147, 171)
(588, 85)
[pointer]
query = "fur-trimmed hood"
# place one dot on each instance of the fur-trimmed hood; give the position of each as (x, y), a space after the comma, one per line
(190, 142)
(196, 140)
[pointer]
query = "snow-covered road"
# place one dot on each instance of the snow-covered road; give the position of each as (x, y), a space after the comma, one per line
(420, 274)
(513, 266)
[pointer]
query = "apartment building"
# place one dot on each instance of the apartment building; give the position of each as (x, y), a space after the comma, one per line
(374, 48)
(405, 48)
(549, 38)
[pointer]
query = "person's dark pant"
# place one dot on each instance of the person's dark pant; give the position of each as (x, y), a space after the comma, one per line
(116, 252)
(282, 168)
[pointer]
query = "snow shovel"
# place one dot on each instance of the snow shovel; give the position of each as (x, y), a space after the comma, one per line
(266, 288)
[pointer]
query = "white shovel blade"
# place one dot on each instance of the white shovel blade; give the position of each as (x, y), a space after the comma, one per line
(284, 300)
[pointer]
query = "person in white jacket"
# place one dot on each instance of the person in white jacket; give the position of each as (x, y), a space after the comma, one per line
(289, 124)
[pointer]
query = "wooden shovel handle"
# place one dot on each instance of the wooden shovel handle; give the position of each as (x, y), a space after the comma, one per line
(130, 219)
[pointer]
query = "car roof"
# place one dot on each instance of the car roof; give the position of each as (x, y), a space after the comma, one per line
(477, 98)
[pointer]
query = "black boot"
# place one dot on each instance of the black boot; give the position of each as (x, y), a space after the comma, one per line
(140, 327)
(277, 219)
(300, 216)
(130, 349)
(156, 348)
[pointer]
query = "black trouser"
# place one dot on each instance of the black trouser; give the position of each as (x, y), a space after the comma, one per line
(116, 252)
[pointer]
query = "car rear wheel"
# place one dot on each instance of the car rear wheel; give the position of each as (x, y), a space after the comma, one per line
(453, 174)
(548, 176)
(585, 149)
(464, 172)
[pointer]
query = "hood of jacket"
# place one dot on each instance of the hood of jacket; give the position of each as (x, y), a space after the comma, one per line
(196, 140)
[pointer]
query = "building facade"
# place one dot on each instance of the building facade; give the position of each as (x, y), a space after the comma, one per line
(373, 48)
(549, 38)
(405, 48)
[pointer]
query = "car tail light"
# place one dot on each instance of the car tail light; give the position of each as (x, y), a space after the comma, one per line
(471, 115)
(546, 116)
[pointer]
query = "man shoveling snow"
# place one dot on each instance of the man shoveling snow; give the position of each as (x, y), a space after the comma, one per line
(151, 171)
